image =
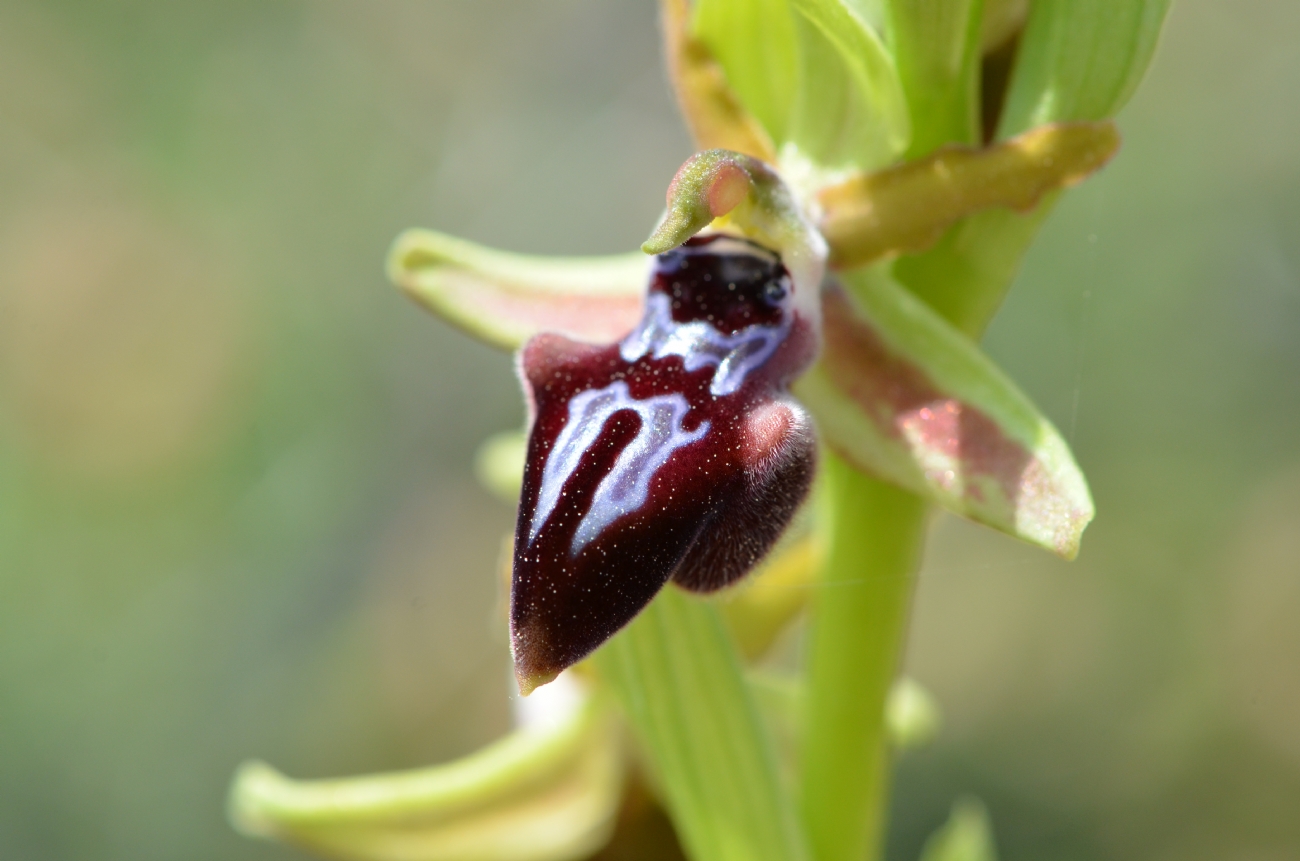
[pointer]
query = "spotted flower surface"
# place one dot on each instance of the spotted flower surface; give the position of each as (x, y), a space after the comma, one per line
(675, 453)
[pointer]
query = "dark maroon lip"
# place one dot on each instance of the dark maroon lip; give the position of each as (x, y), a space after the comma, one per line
(673, 454)
(730, 291)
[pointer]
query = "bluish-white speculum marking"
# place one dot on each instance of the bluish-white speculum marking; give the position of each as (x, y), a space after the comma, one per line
(625, 488)
(700, 344)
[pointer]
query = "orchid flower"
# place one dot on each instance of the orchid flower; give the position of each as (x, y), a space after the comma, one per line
(811, 295)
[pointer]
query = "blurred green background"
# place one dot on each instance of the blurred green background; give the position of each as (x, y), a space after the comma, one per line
(237, 515)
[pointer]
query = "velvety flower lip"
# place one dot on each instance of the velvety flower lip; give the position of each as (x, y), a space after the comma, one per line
(675, 453)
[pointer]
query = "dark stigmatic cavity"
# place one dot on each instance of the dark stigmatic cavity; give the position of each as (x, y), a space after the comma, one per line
(673, 454)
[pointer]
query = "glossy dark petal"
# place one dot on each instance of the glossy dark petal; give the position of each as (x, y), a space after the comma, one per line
(671, 454)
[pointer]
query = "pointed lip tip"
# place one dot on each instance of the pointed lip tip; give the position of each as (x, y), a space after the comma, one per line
(529, 682)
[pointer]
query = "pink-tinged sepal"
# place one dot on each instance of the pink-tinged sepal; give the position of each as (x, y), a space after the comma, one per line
(672, 454)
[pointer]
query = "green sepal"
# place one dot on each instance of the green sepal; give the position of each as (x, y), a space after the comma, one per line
(903, 395)
(1080, 61)
(550, 791)
(756, 44)
(505, 298)
(936, 48)
(849, 110)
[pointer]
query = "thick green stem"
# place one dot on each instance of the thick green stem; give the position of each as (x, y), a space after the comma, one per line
(677, 674)
(859, 619)
(966, 275)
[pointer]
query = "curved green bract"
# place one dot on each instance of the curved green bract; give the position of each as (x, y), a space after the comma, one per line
(543, 793)
(936, 47)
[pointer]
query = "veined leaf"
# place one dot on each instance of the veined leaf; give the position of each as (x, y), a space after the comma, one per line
(755, 42)
(903, 395)
(505, 298)
(1080, 61)
(548, 792)
(850, 111)
(676, 672)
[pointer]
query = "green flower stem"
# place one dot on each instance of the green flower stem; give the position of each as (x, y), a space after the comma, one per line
(676, 671)
(966, 275)
(859, 619)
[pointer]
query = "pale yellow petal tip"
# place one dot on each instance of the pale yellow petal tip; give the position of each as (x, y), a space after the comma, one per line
(409, 250)
(1071, 537)
(253, 783)
(529, 682)
(912, 716)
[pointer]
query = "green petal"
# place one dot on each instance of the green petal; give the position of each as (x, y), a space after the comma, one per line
(505, 299)
(1080, 61)
(903, 395)
(547, 792)
(755, 42)
(850, 111)
(966, 836)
